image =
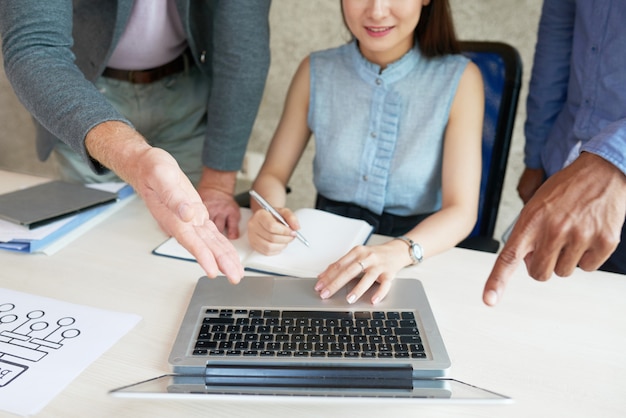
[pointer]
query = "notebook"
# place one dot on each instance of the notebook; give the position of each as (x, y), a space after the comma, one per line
(272, 336)
(330, 236)
(41, 204)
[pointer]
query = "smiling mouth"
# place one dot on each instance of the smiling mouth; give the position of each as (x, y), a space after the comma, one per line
(378, 30)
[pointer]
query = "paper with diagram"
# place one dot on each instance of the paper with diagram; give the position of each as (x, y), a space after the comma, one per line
(46, 343)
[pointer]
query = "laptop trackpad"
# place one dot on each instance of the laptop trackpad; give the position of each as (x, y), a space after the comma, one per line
(288, 291)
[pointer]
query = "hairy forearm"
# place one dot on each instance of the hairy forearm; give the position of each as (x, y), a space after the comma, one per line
(217, 180)
(117, 146)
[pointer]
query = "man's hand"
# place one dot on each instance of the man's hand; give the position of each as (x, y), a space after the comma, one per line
(574, 219)
(167, 193)
(216, 189)
(529, 183)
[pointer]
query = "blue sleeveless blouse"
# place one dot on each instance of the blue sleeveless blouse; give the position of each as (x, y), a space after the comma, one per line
(379, 135)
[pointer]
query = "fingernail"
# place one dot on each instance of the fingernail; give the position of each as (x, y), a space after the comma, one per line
(491, 297)
(325, 294)
(351, 298)
(318, 287)
(375, 300)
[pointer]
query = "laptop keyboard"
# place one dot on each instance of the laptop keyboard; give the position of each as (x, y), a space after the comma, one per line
(314, 334)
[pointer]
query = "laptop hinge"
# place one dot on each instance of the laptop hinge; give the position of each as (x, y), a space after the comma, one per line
(353, 377)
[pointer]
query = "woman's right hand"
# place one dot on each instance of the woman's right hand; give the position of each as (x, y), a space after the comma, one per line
(267, 235)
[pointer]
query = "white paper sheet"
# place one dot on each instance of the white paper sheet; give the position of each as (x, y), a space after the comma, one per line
(45, 343)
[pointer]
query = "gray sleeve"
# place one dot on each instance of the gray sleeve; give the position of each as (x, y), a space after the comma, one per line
(39, 63)
(240, 60)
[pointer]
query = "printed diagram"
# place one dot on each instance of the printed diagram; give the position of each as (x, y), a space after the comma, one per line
(28, 338)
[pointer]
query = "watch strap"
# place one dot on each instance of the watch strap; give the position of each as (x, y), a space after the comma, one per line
(413, 246)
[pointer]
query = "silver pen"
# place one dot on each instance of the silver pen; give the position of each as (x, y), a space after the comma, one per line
(265, 205)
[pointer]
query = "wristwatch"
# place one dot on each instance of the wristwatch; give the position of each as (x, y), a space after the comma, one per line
(415, 250)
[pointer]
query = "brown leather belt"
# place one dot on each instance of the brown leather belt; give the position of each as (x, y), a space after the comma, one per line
(151, 75)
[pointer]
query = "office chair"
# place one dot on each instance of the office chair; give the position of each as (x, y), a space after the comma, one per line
(501, 68)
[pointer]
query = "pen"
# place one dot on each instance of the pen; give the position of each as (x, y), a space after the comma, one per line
(276, 215)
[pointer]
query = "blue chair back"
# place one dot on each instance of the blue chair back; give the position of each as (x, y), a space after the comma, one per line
(501, 68)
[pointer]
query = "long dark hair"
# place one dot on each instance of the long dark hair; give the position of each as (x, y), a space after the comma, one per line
(435, 32)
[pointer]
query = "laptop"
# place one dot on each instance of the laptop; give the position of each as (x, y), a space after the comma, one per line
(48, 202)
(272, 336)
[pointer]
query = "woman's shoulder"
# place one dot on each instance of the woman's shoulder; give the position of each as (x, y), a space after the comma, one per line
(450, 59)
(444, 66)
(333, 53)
(331, 60)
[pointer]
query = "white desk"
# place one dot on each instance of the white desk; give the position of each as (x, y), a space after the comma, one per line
(557, 347)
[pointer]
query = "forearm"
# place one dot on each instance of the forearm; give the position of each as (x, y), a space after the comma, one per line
(272, 190)
(118, 147)
(216, 180)
(443, 229)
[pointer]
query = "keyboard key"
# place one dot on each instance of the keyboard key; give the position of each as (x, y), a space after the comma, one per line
(271, 314)
(220, 321)
(393, 315)
(379, 315)
(362, 315)
(406, 331)
(408, 315)
(273, 346)
(289, 347)
(206, 344)
(411, 339)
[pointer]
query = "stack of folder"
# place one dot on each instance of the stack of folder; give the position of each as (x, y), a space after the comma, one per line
(45, 217)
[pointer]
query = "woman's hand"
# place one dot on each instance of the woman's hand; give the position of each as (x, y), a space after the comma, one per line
(267, 235)
(370, 264)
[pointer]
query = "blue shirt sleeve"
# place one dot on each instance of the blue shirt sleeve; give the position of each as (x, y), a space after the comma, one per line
(550, 76)
(610, 144)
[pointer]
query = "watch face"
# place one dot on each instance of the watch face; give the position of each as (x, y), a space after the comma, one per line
(417, 252)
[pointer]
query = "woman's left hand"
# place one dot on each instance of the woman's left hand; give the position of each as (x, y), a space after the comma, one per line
(370, 264)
